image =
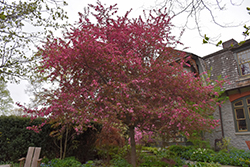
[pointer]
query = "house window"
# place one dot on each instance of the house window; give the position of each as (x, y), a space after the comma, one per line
(244, 62)
(241, 108)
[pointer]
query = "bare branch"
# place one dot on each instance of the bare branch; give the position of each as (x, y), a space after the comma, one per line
(193, 11)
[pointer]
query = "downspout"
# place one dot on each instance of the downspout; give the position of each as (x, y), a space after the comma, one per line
(221, 122)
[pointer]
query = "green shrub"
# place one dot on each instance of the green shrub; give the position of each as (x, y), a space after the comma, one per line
(202, 155)
(88, 164)
(246, 162)
(118, 156)
(204, 164)
(197, 140)
(120, 162)
(188, 153)
(15, 138)
(160, 157)
(67, 162)
(154, 150)
(224, 144)
(234, 157)
(151, 160)
(179, 149)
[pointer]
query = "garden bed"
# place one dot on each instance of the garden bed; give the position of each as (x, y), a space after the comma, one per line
(173, 156)
(194, 162)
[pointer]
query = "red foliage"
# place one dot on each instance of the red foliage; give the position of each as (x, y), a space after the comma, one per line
(117, 69)
(109, 137)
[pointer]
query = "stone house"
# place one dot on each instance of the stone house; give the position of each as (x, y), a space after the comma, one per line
(232, 61)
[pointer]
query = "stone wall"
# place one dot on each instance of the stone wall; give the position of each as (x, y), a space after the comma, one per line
(216, 133)
(224, 63)
(237, 139)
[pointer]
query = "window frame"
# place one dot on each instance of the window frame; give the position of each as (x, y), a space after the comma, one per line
(246, 111)
(243, 52)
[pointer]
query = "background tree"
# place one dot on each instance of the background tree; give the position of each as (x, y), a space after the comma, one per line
(247, 28)
(22, 26)
(124, 71)
(5, 99)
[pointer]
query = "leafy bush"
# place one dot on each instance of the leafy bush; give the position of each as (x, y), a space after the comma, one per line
(120, 162)
(88, 164)
(197, 141)
(245, 161)
(15, 138)
(224, 144)
(160, 157)
(221, 157)
(179, 149)
(67, 162)
(94, 163)
(118, 156)
(234, 157)
(154, 150)
(202, 155)
(204, 164)
(9, 162)
(151, 160)
(188, 153)
(109, 141)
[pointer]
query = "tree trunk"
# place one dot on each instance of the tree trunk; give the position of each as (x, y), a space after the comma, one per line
(132, 144)
(65, 142)
(61, 148)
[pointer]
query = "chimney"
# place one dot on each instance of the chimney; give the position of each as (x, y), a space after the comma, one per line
(229, 43)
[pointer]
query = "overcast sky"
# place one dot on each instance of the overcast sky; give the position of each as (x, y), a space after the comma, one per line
(233, 15)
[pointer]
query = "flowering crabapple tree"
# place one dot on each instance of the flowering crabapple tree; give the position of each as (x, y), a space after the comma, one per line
(122, 70)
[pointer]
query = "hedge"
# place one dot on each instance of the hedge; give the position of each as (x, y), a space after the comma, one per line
(15, 140)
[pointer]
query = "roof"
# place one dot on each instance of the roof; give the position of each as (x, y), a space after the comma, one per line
(233, 48)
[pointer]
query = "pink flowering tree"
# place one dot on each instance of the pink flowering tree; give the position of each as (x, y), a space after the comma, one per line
(117, 69)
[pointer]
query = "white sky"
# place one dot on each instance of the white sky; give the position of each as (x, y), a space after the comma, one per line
(234, 15)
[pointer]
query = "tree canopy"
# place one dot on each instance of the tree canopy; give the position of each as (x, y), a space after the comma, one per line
(5, 99)
(23, 24)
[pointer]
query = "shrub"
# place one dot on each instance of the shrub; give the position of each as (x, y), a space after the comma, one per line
(154, 150)
(188, 153)
(120, 162)
(202, 154)
(149, 160)
(67, 162)
(179, 149)
(204, 164)
(234, 157)
(15, 138)
(88, 164)
(160, 157)
(108, 142)
(224, 144)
